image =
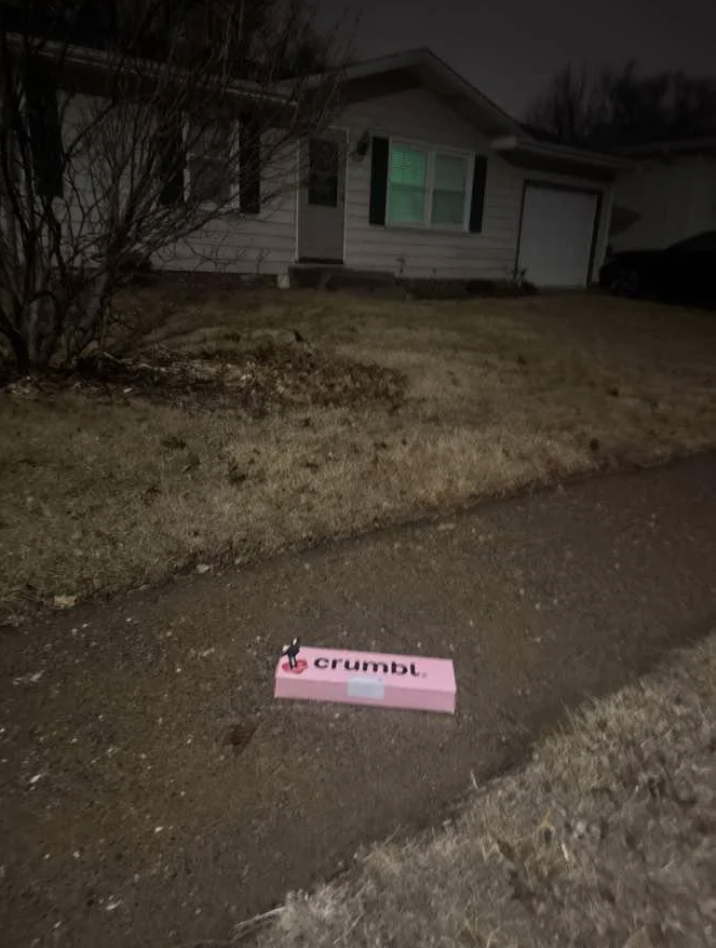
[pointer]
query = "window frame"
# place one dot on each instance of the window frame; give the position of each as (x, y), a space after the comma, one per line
(234, 202)
(432, 151)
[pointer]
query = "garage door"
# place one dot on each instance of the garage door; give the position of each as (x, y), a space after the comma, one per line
(556, 236)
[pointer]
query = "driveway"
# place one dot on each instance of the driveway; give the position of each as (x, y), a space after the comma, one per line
(155, 794)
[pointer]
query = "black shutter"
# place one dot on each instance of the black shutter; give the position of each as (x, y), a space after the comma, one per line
(249, 166)
(172, 162)
(378, 180)
(43, 125)
(477, 203)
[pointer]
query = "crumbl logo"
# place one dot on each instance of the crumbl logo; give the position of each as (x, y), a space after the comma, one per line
(377, 668)
(296, 665)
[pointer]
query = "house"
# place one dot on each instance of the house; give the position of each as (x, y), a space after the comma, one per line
(432, 179)
(419, 175)
(670, 194)
(451, 186)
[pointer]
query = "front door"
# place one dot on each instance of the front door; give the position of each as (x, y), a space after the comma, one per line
(321, 198)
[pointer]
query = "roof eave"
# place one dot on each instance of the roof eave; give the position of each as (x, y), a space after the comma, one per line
(84, 57)
(583, 160)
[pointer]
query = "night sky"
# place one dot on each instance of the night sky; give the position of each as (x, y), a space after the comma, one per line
(509, 49)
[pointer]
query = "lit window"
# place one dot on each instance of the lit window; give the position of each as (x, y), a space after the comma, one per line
(407, 185)
(427, 187)
(449, 183)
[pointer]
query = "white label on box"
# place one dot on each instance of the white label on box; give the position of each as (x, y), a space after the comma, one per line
(373, 688)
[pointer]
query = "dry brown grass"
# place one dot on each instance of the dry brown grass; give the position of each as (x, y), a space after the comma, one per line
(100, 490)
(609, 831)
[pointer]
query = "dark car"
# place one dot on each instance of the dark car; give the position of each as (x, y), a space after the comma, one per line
(685, 272)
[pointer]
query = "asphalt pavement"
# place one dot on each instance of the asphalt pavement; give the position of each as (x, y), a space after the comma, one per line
(155, 794)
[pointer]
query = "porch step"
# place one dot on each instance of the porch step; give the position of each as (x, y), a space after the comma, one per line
(335, 277)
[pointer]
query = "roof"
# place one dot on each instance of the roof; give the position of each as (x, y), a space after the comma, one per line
(513, 140)
(541, 134)
(516, 142)
(435, 74)
(98, 60)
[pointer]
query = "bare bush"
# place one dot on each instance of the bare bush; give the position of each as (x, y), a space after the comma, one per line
(129, 127)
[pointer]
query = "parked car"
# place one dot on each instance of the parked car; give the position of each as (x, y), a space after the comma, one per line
(685, 272)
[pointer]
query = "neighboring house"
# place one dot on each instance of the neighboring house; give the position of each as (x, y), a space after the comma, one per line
(670, 194)
(426, 178)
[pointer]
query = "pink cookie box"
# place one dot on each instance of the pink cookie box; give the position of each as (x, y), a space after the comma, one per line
(368, 678)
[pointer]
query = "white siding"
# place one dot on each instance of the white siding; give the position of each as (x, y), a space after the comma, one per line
(256, 244)
(264, 243)
(418, 115)
(674, 200)
(267, 243)
(81, 210)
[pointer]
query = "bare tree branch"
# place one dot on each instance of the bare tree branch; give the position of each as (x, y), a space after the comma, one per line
(608, 107)
(166, 118)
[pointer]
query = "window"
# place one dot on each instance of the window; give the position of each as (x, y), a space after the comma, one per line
(323, 162)
(426, 187)
(449, 190)
(407, 185)
(210, 159)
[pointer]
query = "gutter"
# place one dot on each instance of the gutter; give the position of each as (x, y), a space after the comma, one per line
(102, 61)
(513, 145)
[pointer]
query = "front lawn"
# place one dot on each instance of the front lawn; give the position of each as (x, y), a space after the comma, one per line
(247, 422)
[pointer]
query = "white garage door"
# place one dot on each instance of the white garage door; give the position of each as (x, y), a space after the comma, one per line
(556, 236)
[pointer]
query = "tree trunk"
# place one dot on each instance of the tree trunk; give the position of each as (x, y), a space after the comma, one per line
(21, 352)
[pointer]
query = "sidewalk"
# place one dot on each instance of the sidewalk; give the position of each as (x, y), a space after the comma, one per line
(130, 818)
